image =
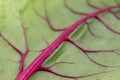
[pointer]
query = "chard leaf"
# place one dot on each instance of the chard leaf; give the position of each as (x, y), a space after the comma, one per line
(29, 16)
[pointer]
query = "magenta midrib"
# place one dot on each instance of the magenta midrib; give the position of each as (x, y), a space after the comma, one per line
(31, 69)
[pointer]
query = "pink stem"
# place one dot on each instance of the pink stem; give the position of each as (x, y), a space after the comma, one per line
(34, 66)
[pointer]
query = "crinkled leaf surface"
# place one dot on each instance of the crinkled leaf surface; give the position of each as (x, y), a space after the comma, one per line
(38, 32)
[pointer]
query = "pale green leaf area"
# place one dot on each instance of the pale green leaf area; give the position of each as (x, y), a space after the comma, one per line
(38, 31)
